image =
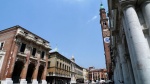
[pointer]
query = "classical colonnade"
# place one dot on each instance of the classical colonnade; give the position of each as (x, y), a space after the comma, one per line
(133, 58)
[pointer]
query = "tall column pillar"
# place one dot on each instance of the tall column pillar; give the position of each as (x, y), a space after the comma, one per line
(45, 72)
(35, 73)
(131, 52)
(140, 45)
(97, 75)
(123, 64)
(92, 78)
(73, 79)
(120, 70)
(146, 12)
(11, 63)
(115, 75)
(24, 70)
(100, 76)
(130, 69)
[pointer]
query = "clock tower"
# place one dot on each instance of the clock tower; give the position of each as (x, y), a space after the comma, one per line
(106, 38)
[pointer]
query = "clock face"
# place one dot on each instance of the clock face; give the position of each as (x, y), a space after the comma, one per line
(107, 39)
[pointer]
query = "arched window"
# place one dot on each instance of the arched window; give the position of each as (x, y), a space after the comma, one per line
(63, 66)
(104, 23)
(57, 64)
(60, 65)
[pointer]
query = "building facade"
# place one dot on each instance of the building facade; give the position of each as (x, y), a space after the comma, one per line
(62, 70)
(59, 69)
(23, 56)
(130, 40)
(85, 75)
(79, 74)
(97, 74)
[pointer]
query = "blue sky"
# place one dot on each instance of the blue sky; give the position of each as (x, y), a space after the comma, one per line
(71, 25)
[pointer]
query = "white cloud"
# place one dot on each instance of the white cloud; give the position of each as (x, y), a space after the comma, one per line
(93, 18)
(74, 0)
(79, 0)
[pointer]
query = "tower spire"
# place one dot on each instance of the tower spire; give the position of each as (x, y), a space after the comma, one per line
(101, 6)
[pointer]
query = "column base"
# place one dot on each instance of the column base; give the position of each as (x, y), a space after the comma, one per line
(72, 82)
(93, 81)
(34, 81)
(7, 81)
(44, 82)
(23, 81)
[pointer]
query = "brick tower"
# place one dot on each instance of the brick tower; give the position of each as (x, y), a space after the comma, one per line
(106, 38)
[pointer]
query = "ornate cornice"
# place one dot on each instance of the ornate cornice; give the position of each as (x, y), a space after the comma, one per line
(125, 4)
(143, 2)
(32, 38)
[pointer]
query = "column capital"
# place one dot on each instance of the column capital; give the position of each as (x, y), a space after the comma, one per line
(126, 4)
(144, 2)
(18, 41)
(29, 47)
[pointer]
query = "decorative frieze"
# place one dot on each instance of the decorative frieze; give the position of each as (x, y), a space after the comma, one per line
(125, 3)
(30, 37)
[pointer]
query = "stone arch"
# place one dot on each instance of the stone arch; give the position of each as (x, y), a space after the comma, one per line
(17, 71)
(40, 71)
(31, 68)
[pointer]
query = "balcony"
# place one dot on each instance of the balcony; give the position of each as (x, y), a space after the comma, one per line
(30, 37)
(2, 52)
(22, 54)
(39, 42)
(47, 45)
(59, 75)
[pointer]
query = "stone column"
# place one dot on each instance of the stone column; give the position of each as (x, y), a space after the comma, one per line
(131, 52)
(11, 63)
(130, 69)
(119, 70)
(35, 73)
(24, 70)
(146, 12)
(100, 76)
(73, 79)
(97, 75)
(45, 72)
(116, 74)
(140, 45)
(92, 78)
(123, 64)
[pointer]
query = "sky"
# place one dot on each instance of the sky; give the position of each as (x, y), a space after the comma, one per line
(71, 26)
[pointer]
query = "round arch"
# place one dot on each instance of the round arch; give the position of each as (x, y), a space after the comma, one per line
(30, 71)
(40, 71)
(17, 71)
